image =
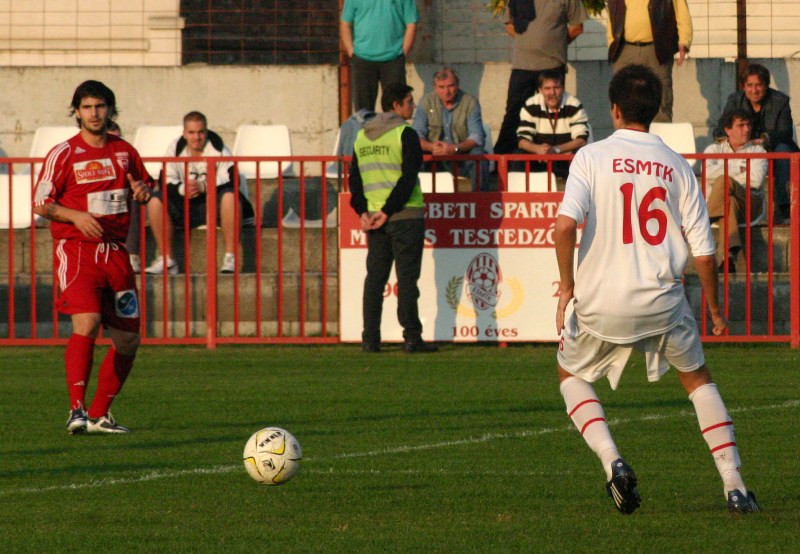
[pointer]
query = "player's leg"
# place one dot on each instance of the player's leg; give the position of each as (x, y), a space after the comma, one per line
(583, 358)
(716, 426)
(114, 371)
(78, 281)
(78, 360)
(684, 351)
(379, 266)
(120, 315)
(586, 412)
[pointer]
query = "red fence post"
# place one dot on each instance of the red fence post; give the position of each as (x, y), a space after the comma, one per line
(211, 257)
(794, 250)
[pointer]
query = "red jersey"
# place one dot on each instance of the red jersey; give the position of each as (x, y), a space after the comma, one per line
(89, 179)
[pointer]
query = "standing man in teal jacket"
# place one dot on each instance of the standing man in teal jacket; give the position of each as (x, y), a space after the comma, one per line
(388, 199)
(378, 35)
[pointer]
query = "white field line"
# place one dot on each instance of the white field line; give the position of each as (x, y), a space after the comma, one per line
(158, 474)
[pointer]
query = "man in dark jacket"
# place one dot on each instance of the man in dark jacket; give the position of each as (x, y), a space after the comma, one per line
(772, 126)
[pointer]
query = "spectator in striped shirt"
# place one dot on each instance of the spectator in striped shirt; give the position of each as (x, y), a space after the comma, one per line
(552, 122)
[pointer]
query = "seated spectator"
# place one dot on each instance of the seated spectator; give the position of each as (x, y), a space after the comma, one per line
(552, 122)
(448, 122)
(737, 127)
(348, 132)
(197, 141)
(771, 118)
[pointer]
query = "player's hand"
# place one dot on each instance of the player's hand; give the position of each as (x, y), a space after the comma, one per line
(365, 222)
(720, 324)
(564, 299)
(88, 225)
(141, 192)
(377, 220)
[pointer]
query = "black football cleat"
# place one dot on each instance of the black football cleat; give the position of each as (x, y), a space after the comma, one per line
(739, 503)
(622, 487)
(76, 424)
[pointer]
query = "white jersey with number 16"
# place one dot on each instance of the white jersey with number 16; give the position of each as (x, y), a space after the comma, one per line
(638, 199)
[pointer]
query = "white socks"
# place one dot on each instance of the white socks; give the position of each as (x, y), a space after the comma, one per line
(717, 429)
(587, 414)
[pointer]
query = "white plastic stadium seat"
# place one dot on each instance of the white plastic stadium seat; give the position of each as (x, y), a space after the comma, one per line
(44, 139)
(21, 201)
(332, 168)
(537, 180)
(152, 141)
(678, 136)
(444, 181)
(263, 140)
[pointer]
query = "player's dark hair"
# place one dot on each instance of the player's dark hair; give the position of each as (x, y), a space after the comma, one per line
(396, 92)
(755, 69)
(728, 118)
(195, 116)
(550, 75)
(94, 89)
(636, 91)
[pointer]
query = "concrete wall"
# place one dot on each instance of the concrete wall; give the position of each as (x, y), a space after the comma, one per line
(305, 97)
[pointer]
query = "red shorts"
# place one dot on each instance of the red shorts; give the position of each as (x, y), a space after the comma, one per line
(97, 278)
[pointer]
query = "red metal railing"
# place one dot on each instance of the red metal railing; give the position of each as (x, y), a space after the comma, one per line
(281, 293)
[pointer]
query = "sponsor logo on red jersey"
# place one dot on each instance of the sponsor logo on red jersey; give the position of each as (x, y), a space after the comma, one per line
(123, 159)
(94, 171)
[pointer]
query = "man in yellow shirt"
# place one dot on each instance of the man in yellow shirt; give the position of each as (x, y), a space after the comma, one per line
(650, 33)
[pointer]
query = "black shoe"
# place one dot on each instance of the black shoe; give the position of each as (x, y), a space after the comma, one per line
(370, 347)
(622, 487)
(731, 266)
(738, 503)
(76, 424)
(419, 346)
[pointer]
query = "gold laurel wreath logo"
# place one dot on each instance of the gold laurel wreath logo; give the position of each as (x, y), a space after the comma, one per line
(453, 296)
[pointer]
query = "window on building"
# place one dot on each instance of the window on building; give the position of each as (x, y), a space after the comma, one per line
(260, 31)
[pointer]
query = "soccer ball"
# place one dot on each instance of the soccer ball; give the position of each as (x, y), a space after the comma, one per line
(272, 456)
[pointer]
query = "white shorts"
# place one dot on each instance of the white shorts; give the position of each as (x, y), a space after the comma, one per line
(590, 358)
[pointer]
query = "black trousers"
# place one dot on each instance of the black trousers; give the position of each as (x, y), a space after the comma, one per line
(521, 85)
(398, 242)
(366, 74)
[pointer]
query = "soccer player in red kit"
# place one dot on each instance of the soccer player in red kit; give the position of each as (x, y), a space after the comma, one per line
(85, 189)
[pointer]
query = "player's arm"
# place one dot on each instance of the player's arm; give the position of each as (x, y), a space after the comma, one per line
(566, 236)
(707, 273)
(84, 221)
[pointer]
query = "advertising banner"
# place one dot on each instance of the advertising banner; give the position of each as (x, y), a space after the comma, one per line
(489, 270)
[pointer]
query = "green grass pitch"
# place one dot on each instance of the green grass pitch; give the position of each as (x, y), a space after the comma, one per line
(468, 450)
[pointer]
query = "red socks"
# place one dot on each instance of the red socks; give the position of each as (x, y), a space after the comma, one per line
(78, 360)
(113, 372)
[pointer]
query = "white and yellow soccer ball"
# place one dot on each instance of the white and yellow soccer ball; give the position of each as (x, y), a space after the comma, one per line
(272, 456)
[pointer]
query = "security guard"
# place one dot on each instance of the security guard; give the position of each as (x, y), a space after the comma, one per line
(387, 197)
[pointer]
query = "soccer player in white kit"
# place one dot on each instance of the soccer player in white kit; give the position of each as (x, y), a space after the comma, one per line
(638, 199)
